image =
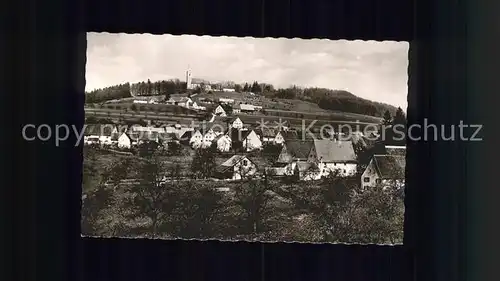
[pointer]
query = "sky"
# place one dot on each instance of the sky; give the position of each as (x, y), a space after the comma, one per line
(374, 70)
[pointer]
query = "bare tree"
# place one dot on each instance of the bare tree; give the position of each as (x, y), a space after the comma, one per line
(253, 197)
(151, 195)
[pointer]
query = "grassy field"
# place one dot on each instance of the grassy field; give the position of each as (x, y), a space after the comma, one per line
(156, 108)
(294, 111)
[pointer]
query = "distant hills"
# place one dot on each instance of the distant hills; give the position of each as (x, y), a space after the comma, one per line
(328, 99)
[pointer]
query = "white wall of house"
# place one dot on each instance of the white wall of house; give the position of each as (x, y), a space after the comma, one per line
(227, 101)
(252, 142)
(369, 176)
(244, 168)
(224, 143)
(124, 141)
(220, 111)
(91, 139)
(344, 169)
(237, 124)
(196, 139)
(278, 139)
(208, 138)
(105, 140)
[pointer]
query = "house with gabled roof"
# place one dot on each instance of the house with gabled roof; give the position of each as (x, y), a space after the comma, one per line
(386, 170)
(219, 111)
(128, 139)
(226, 100)
(236, 109)
(208, 138)
(236, 123)
(271, 135)
(151, 136)
(185, 136)
(250, 140)
(180, 100)
(332, 156)
(222, 143)
(196, 139)
(293, 152)
(306, 171)
(243, 107)
(236, 167)
(226, 122)
(99, 134)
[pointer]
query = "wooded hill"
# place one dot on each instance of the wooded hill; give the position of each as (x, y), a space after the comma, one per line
(335, 100)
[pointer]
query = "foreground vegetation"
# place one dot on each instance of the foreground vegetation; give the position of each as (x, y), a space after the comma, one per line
(160, 202)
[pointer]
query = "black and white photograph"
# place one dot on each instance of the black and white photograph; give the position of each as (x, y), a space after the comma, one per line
(244, 139)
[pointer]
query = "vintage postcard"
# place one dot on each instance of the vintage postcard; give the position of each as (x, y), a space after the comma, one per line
(244, 139)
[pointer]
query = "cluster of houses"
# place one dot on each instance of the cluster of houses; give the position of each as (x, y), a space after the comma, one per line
(309, 159)
(191, 103)
(313, 160)
(221, 131)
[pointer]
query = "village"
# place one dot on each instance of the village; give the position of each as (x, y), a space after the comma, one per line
(241, 146)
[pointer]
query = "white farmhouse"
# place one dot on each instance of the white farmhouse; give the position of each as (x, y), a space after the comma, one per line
(271, 135)
(125, 141)
(219, 111)
(246, 108)
(251, 141)
(333, 156)
(99, 134)
(386, 170)
(208, 138)
(196, 139)
(183, 101)
(226, 101)
(223, 143)
(294, 153)
(236, 167)
(236, 123)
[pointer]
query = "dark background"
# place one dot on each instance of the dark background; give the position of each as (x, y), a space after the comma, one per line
(451, 79)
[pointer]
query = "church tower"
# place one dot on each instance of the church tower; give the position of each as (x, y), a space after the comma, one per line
(189, 84)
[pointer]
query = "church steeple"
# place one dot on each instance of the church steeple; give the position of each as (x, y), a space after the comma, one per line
(189, 84)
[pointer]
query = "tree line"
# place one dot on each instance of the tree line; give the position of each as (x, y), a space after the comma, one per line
(143, 88)
(163, 204)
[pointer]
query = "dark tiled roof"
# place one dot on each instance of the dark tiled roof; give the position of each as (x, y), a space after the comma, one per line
(267, 132)
(295, 149)
(186, 135)
(217, 138)
(334, 151)
(395, 150)
(390, 166)
(229, 163)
